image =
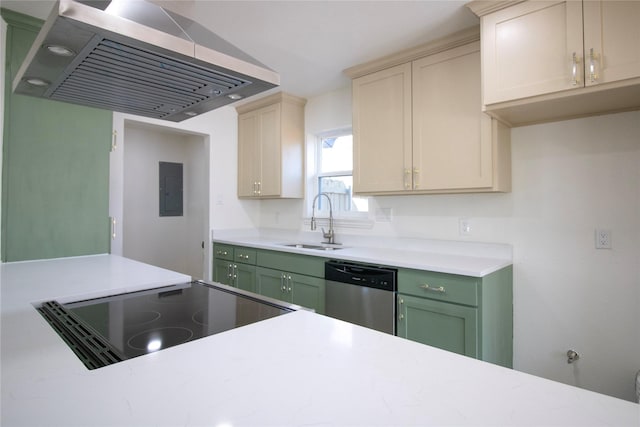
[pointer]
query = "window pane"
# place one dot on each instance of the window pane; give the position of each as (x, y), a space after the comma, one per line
(340, 189)
(336, 154)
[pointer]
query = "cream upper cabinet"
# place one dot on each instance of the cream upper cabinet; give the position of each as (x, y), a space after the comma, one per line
(382, 142)
(419, 127)
(249, 163)
(612, 34)
(271, 147)
(452, 146)
(552, 60)
(529, 49)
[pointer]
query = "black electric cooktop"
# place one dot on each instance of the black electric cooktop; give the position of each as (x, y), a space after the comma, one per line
(108, 330)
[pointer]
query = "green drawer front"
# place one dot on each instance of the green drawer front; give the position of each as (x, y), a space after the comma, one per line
(221, 251)
(439, 286)
(293, 263)
(245, 255)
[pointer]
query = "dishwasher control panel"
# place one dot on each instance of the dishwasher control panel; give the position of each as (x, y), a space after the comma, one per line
(361, 274)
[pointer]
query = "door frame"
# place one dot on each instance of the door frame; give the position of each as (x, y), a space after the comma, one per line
(116, 180)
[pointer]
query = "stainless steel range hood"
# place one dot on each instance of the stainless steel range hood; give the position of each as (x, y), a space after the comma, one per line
(135, 57)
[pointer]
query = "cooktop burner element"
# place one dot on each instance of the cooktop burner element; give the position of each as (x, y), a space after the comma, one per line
(107, 330)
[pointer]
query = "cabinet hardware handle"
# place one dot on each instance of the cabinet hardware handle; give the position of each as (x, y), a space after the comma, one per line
(229, 274)
(575, 61)
(401, 317)
(593, 57)
(407, 177)
(235, 271)
(416, 173)
(426, 287)
(259, 188)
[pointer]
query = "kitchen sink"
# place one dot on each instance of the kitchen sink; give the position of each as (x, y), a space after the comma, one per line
(325, 247)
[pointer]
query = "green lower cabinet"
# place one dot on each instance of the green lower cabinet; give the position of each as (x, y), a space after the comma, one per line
(222, 271)
(234, 266)
(241, 276)
(306, 291)
(447, 326)
(472, 316)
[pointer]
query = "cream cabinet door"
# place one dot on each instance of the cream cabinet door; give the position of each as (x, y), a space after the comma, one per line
(532, 48)
(611, 40)
(452, 146)
(270, 151)
(248, 154)
(259, 161)
(382, 131)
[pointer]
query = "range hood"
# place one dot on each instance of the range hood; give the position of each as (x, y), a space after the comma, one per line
(136, 57)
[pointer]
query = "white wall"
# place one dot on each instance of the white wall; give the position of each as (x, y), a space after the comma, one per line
(569, 178)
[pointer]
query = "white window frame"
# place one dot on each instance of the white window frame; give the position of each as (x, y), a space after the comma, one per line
(347, 219)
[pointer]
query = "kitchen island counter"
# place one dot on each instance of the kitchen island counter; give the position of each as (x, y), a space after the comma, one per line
(297, 369)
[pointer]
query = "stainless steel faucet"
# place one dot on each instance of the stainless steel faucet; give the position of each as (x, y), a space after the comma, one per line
(330, 235)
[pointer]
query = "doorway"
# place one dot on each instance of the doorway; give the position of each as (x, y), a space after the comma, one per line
(174, 242)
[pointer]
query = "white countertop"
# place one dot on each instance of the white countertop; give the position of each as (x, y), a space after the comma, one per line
(464, 258)
(297, 369)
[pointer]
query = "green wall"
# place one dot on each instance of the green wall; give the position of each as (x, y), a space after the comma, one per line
(55, 167)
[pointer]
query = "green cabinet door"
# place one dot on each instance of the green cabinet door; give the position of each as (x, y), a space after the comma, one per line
(222, 271)
(244, 277)
(307, 291)
(444, 325)
(271, 283)
(238, 275)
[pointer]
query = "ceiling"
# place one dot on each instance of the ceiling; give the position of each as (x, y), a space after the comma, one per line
(310, 43)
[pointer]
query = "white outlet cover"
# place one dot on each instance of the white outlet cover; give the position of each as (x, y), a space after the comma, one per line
(464, 226)
(603, 239)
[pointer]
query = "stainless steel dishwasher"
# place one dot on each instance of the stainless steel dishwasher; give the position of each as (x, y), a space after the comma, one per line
(361, 294)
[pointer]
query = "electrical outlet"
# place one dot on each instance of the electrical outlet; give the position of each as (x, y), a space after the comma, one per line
(464, 226)
(603, 239)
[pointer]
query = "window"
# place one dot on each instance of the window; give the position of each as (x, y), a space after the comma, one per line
(335, 176)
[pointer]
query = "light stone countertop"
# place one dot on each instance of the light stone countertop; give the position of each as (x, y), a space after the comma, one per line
(463, 258)
(293, 370)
